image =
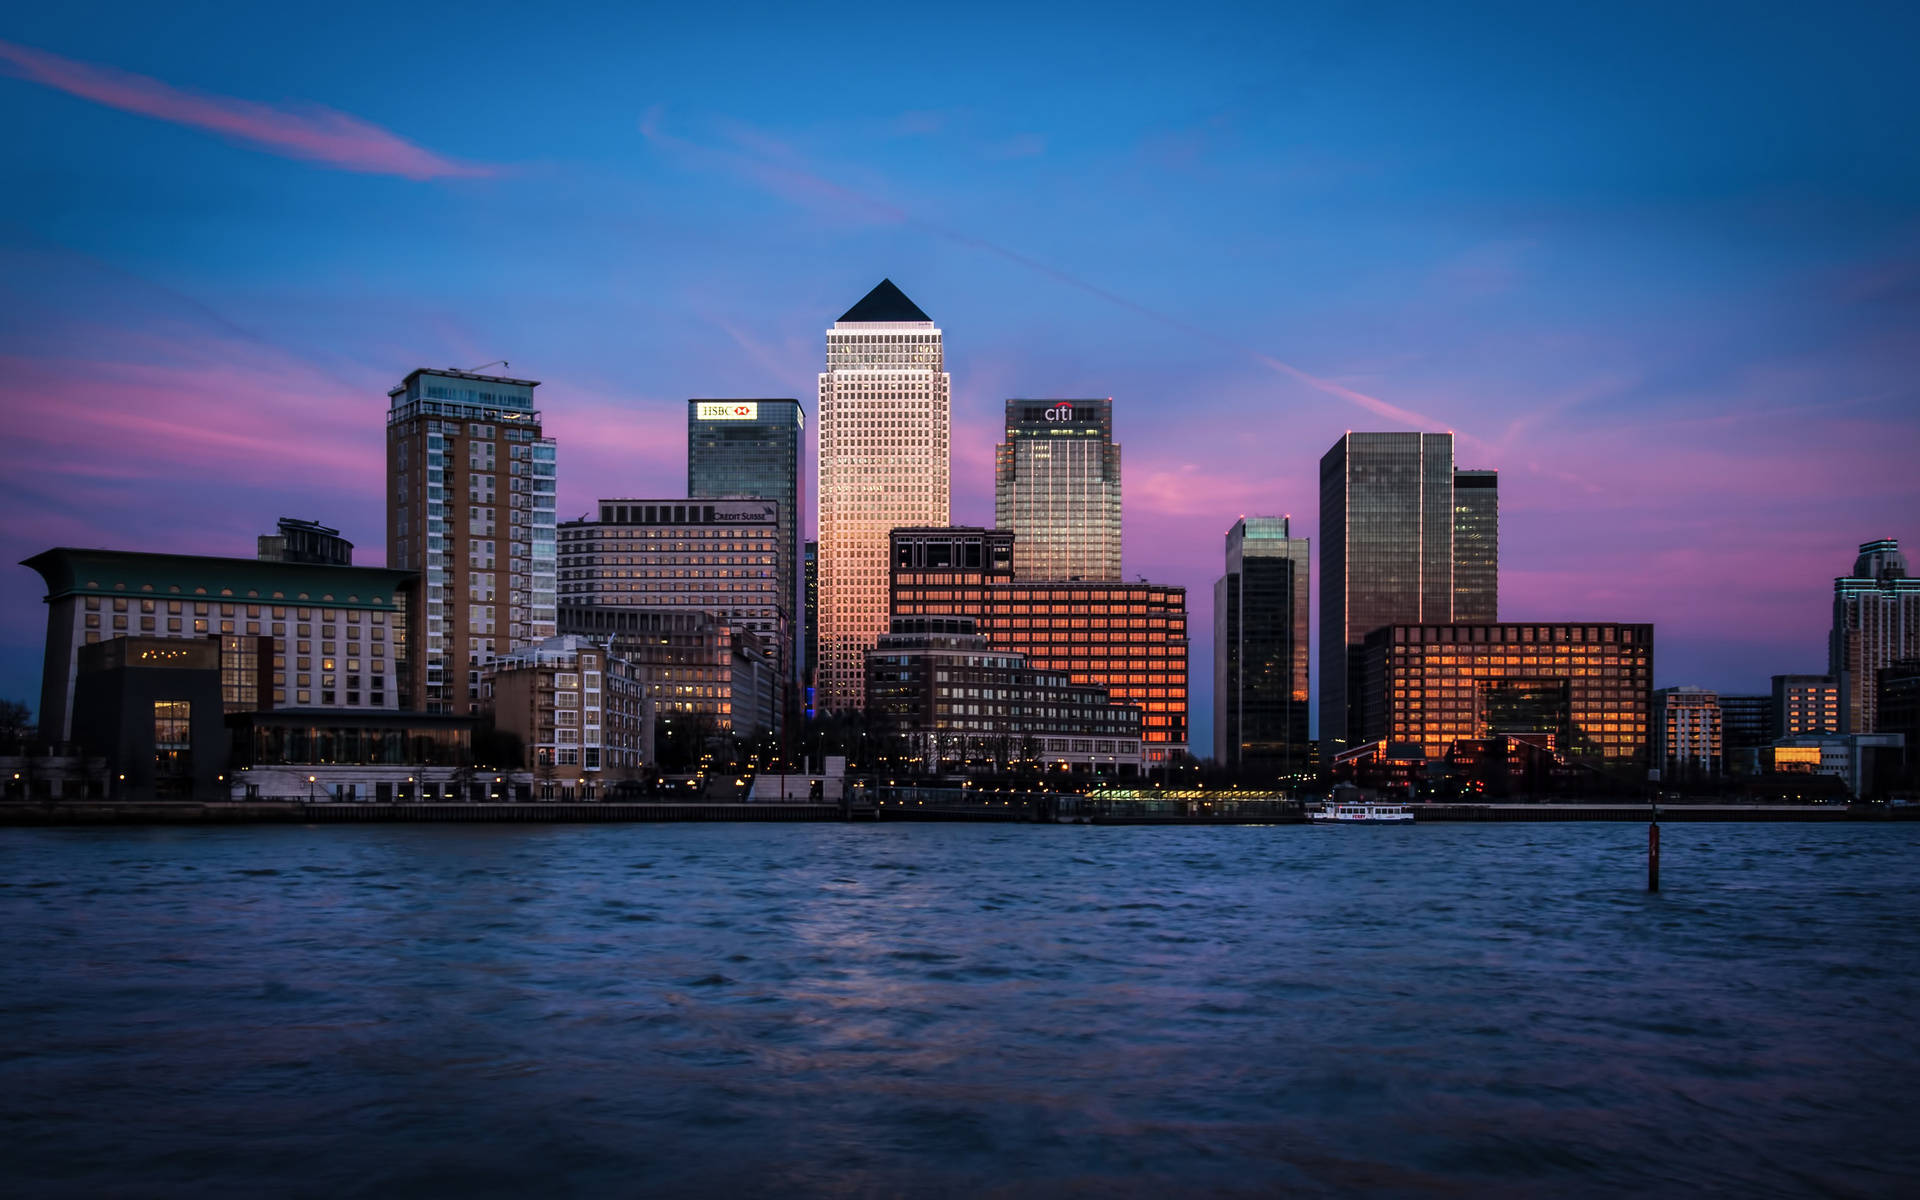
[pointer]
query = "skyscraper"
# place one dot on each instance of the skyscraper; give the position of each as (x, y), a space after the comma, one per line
(885, 415)
(1876, 622)
(1386, 554)
(1057, 487)
(1260, 650)
(751, 448)
(470, 495)
(1476, 545)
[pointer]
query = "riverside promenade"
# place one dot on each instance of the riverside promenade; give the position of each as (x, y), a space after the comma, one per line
(896, 804)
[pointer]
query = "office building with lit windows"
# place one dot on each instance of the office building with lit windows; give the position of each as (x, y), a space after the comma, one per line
(1129, 638)
(1688, 733)
(1876, 622)
(1804, 704)
(470, 495)
(718, 556)
(1057, 489)
(288, 634)
(885, 419)
(1582, 690)
(1260, 651)
(1404, 538)
(748, 449)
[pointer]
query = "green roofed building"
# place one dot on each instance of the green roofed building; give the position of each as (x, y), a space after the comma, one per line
(290, 634)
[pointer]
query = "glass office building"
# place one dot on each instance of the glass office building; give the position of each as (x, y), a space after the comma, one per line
(1260, 650)
(1476, 545)
(752, 449)
(1057, 488)
(1404, 537)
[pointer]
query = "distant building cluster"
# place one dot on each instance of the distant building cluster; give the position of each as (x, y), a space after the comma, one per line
(570, 655)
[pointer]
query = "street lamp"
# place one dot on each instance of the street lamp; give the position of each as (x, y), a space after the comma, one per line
(310, 782)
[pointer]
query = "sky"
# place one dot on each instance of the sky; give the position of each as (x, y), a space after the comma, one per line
(1658, 264)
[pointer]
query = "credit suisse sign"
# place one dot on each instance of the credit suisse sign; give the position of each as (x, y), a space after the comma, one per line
(732, 410)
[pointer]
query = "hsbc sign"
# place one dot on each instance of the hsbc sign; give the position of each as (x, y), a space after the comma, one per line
(731, 410)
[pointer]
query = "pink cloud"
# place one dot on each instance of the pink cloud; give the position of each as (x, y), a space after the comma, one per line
(311, 133)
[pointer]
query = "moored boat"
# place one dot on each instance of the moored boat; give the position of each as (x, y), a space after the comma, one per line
(1361, 813)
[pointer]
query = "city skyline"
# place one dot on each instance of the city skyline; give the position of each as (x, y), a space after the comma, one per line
(191, 301)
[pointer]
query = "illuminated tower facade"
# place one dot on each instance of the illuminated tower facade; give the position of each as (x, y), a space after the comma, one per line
(1876, 623)
(885, 419)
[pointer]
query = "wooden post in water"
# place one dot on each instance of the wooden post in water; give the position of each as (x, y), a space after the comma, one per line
(1653, 856)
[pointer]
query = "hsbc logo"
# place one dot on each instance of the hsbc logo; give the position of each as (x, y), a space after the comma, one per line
(728, 411)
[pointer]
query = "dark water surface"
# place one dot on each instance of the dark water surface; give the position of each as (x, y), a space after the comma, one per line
(944, 1009)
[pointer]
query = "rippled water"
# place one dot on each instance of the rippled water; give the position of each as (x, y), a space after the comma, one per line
(944, 1009)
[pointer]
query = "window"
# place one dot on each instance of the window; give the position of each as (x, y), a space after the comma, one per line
(172, 727)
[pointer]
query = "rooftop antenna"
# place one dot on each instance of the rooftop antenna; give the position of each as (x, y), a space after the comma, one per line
(498, 362)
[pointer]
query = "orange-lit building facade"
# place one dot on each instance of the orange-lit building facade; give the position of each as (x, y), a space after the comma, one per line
(1130, 638)
(1584, 689)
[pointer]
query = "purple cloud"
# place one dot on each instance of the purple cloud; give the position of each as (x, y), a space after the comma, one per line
(312, 133)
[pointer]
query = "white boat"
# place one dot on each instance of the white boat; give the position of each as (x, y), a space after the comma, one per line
(1372, 814)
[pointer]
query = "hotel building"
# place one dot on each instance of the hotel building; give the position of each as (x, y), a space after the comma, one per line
(1404, 538)
(1584, 690)
(960, 701)
(752, 449)
(290, 634)
(470, 495)
(1687, 727)
(1057, 489)
(885, 401)
(1260, 650)
(1129, 638)
(1876, 622)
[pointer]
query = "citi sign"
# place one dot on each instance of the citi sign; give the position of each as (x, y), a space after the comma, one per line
(1060, 412)
(728, 412)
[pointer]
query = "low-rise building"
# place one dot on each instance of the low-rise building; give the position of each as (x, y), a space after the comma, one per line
(693, 664)
(962, 704)
(318, 755)
(579, 714)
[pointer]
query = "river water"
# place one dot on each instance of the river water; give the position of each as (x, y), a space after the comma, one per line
(951, 1009)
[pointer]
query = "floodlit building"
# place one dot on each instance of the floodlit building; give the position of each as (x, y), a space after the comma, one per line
(885, 417)
(1260, 650)
(470, 496)
(692, 663)
(1057, 489)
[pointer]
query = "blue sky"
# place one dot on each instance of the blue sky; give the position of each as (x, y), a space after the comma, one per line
(1660, 267)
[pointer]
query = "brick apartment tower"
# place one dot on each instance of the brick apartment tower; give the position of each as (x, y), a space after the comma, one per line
(470, 495)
